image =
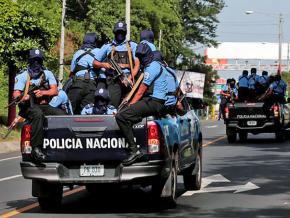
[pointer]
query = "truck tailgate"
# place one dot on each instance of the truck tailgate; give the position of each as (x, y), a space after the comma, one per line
(246, 111)
(88, 139)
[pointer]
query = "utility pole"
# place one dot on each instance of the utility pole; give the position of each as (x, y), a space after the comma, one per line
(128, 19)
(61, 49)
(160, 38)
(288, 50)
(280, 42)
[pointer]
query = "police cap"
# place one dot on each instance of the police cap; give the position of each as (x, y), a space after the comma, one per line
(265, 73)
(120, 26)
(245, 73)
(253, 70)
(102, 93)
(90, 38)
(147, 35)
(35, 53)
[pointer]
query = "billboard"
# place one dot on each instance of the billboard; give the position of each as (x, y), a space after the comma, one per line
(192, 83)
(246, 50)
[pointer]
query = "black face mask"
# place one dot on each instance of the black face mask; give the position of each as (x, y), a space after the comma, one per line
(120, 37)
(232, 85)
(35, 69)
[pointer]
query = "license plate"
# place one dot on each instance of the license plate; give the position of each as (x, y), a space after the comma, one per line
(252, 123)
(92, 170)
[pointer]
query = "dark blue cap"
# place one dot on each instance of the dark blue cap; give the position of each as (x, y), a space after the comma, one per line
(265, 73)
(120, 26)
(253, 70)
(147, 35)
(90, 41)
(35, 53)
(245, 72)
(144, 54)
(102, 93)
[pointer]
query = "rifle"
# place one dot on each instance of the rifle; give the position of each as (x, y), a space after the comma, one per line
(130, 95)
(119, 72)
(179, 95)
(31, 90)
(17, 120)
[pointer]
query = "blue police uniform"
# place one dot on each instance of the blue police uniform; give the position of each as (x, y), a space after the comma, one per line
(89, 110)
(20, 80)
(243, 81)
(253, 79)
(263, 80)
(106, 50)
(61, 101)
(279, 87)
(172, 85)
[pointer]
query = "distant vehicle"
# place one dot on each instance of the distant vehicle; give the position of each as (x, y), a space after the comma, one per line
(89, 150)
(244, 118)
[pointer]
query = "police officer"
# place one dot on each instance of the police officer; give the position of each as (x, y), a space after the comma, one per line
(123, 52)
(147, 36)
(148, 101)
(101, 104)
(83, 87)
(35, 105)
(253, 79)
(62, 101)
(172, 85)
(278, 89)
(243, 86)
(263, 83)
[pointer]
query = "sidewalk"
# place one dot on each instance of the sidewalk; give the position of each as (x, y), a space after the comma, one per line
(10, 146)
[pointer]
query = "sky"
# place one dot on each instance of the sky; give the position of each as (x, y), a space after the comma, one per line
(261, 26)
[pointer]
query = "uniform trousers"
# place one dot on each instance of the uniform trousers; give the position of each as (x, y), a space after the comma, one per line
(81, 93)
(35, 115)
(134, 113)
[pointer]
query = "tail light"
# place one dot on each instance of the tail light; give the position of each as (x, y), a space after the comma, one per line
(25, 140)
(276, 110)
(226, 112)
(153, 138)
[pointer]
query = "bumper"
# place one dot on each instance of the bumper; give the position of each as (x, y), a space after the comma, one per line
(59, 173)
(264, 126)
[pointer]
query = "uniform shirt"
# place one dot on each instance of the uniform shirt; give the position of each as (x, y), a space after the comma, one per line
(85, 61)
(234, 90)
(151, 72)
(279, 87)
(20, 80)
(151, 45)
(106, 49)
(253, 79)
(88, 110)
(263, 80)
(243, 81)
(172, 85)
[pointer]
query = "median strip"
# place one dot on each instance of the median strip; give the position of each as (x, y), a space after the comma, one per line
(213, 141)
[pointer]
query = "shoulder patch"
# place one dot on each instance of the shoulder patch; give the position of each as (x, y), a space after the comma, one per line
(146, 75)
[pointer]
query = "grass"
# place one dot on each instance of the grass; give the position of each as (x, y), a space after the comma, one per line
(14, 135)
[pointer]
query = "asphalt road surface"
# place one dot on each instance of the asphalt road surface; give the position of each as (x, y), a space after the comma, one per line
(240, 180)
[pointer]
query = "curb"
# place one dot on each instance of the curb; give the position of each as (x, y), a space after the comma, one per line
(10, 146)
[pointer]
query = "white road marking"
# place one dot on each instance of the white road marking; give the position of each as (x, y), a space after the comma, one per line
(219, 178)
(10, 177)
(210, 127)
(10, 158)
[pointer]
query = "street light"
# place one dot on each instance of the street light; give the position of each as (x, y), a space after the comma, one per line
(280, 34)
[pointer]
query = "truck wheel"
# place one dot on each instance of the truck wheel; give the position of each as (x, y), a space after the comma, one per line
(232, 135)
(52, 202)
(193, 182)
(243, 136)
(157, 187)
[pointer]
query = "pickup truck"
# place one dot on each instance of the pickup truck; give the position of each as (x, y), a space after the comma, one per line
(243, 118)
(88, 150)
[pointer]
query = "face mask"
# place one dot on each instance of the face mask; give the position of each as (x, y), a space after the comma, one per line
(120, 37)
(35, 69)
(232, 85)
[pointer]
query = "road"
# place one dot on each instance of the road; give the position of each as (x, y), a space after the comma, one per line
(262, 164)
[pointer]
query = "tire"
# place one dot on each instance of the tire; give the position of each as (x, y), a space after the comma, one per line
(231, 135)
(193, 182)
(52, 202)
(243, 136)
(158, 185)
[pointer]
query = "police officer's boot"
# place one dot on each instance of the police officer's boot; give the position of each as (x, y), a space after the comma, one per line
(37, 155)
(133, 156)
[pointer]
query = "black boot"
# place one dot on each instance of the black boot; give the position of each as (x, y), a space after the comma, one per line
(37, 155)
(133, 156)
